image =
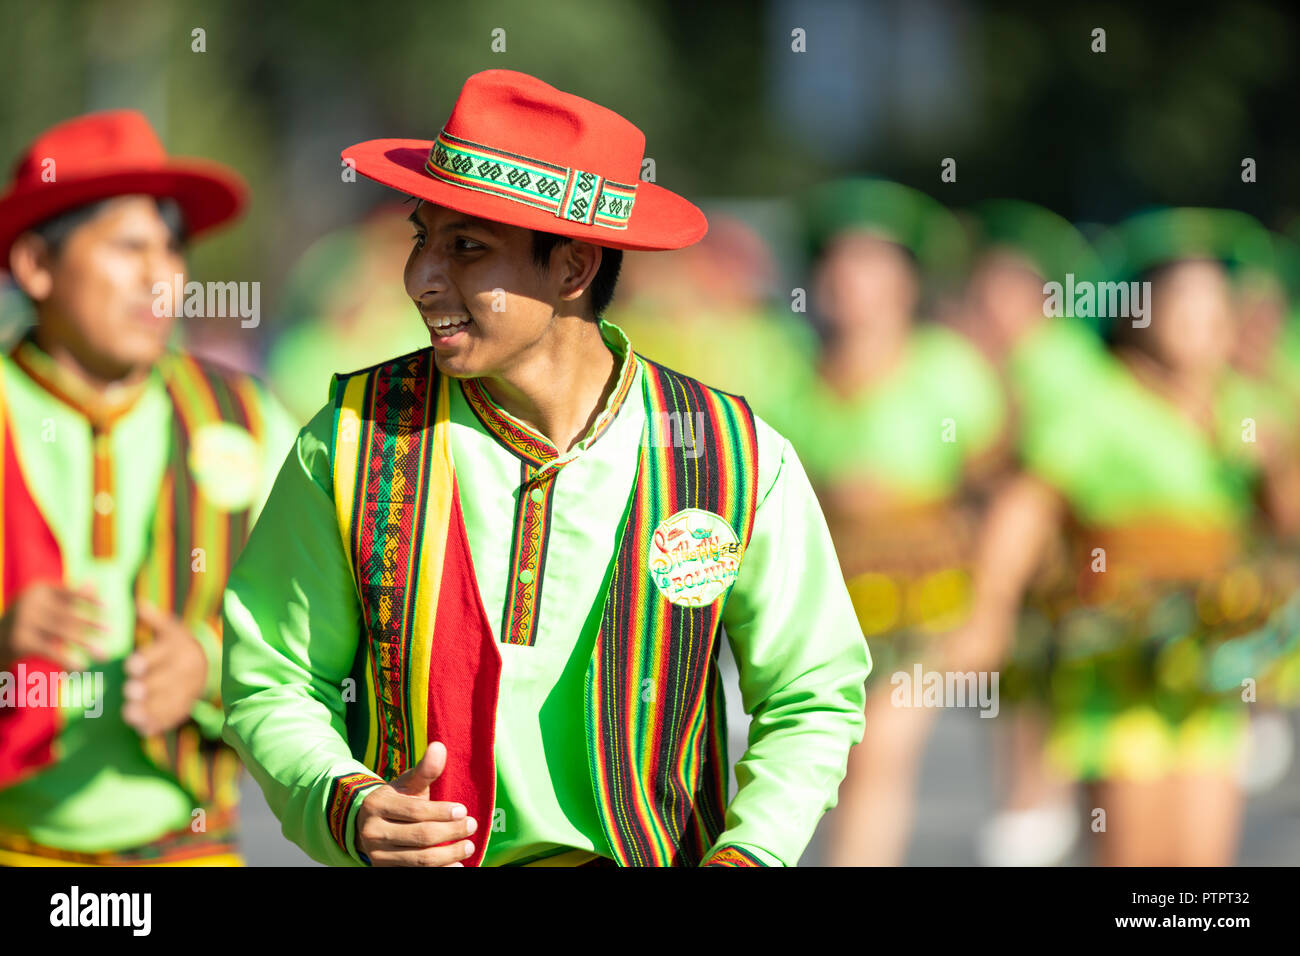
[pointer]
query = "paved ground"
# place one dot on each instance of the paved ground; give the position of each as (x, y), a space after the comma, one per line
(956, 796)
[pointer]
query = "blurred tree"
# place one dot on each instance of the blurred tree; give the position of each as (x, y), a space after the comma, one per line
(1010, 89)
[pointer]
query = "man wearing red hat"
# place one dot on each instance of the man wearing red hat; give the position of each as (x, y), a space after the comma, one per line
(479, 620)
(129, 477)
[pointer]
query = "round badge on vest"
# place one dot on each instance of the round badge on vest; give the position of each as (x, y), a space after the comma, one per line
(226, 466)
(694, 557)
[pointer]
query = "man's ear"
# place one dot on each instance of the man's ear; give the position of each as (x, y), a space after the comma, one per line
(579, 263)
(31, 265)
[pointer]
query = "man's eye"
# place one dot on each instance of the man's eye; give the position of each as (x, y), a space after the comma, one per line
(418, 239)
(466, 245)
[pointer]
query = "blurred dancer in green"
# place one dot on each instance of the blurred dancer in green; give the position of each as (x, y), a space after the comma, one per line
(344, 308)
(1268, 364)
(130, 476)
(706, 310)
(1272, 302)
(1020, 248)
(1155, 481)
(891, 417)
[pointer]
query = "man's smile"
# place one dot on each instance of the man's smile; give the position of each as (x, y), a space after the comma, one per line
(447, 326)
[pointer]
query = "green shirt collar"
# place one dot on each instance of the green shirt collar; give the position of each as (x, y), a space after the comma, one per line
(530, 444)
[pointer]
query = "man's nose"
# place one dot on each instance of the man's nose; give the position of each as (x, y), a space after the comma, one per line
(162, 265)
(426, 275)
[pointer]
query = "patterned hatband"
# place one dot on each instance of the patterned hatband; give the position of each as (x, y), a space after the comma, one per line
(573, 195)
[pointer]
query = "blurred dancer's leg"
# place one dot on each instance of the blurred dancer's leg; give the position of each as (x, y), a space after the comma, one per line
(1141, 822)
(1210, 810)
(1037, 824)
(873, 819)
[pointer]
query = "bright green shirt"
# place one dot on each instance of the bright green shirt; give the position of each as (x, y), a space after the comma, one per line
(103, 793)
(1053, 363)
(293, 624)
(1120, 453)
(912, 432)
(754, 353)
(300, 363)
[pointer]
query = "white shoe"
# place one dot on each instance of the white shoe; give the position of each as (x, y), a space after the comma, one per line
(1040, 836)
(1269, 750)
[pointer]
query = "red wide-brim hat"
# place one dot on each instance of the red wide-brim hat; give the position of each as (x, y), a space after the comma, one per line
(518, 151)
(112, 153)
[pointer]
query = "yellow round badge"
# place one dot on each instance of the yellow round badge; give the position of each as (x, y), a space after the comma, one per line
(226, 465)
(694, 557)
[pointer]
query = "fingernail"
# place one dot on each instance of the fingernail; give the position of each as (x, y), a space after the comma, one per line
(133, 690)
(458, 864)
(469, 848)
(471, 825)
(457, 812)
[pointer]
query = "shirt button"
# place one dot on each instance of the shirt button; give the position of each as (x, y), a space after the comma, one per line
(525, 576)
(537, 495)
(103, 503)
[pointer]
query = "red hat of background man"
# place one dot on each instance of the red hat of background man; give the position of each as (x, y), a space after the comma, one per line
(113, 153)
(518, 151)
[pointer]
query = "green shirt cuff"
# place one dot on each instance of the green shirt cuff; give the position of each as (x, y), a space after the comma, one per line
(347, 793)
(741, 854)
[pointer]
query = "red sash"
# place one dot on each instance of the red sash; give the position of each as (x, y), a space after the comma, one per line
(29, 555)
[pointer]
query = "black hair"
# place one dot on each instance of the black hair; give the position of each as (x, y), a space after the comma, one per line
(602, 286)
(56, 230)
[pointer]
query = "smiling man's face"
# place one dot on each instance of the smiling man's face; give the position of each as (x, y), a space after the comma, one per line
(95, 295)
(475, 283)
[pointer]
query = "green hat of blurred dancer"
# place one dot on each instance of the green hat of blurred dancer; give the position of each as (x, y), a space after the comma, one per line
(1286, 258)
(1161, 236)
(1286, 253)
(1276, 277)
(1158, 237)
(323, 270)
(895, 212)
(1050, 242)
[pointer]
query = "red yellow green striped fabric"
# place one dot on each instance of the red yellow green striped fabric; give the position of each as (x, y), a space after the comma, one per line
(655, 719)
(342, 790)
(528, 552)
(192, 547)
(733, 856)
(216, 845)
(428, 664)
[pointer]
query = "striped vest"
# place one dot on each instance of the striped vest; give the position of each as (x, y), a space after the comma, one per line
(428, 667)
(186, 524)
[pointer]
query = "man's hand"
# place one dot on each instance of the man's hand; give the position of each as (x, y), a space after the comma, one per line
(52, 621)
(398, 825)
(165, 678)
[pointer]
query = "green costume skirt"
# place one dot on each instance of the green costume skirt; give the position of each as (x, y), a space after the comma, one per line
(1161, 681)
(903, 612)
